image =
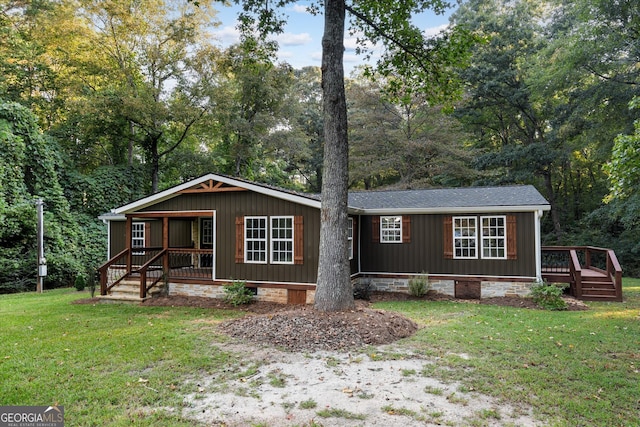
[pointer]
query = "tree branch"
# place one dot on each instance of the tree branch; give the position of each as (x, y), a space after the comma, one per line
(406, 48)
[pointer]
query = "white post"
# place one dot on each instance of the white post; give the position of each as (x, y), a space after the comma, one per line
(42, 262)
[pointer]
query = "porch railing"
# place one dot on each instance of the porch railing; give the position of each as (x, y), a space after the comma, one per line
(151, 265)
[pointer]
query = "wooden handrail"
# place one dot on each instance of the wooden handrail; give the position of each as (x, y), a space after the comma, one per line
(104, 268)
(576, 272)
(615, 272)
(143, 273)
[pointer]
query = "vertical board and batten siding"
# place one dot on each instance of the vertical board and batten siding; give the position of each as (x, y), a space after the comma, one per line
(153, 235)
(425, 251)
(228, 206)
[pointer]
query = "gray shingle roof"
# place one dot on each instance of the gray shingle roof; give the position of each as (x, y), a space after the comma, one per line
(520, 196)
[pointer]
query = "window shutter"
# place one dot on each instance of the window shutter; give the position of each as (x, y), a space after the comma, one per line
(147, 234)
(406, 229)
(298, 240)
(447, 230)
(512, 243)
(239, 239)
(375, 229)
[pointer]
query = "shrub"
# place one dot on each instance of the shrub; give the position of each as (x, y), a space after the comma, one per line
(237, 293)
(549, 295)
(80, 283)
(419, 286)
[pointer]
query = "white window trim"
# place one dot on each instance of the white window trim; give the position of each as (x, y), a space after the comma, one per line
(134, 239)
(350, 236)
(273, 239)
(503, 237)
(266, 240)
(382, 235)
(475, 219)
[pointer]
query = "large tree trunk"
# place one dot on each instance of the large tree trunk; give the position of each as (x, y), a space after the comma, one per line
(334, 292)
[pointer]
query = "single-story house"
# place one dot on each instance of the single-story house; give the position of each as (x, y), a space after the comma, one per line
(194, 238)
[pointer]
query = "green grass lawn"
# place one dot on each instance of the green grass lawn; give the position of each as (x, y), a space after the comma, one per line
(579, 368)
(113, 364)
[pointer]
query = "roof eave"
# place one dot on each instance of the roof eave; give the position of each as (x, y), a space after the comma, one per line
(451, 210)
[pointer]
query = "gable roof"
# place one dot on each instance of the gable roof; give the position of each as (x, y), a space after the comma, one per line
(206, 181)
(517, 198)
(520, 198)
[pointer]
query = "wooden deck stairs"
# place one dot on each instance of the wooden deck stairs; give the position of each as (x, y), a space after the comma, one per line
(593, 274)
(128, 291)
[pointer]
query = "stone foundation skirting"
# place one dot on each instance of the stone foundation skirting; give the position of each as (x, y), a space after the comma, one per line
(277, 295)
(488, 288)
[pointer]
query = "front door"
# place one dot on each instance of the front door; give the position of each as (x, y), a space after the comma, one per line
(206, 241)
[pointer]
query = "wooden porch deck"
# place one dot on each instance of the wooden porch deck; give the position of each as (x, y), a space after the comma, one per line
(593, 274)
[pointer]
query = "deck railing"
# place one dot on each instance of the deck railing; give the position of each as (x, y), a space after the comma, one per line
(152, 265)
(572, 260)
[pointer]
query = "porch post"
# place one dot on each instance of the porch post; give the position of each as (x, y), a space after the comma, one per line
(128, 244)
(165, 244)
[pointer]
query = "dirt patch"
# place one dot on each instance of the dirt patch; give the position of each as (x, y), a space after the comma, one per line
(388, 387)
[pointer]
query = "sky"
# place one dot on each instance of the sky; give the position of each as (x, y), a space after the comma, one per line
(300, 44)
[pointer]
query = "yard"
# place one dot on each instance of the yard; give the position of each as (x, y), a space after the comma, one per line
(116, 365)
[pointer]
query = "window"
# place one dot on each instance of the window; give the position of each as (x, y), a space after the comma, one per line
(391, 229)
(464, 237)
(493, 237)
(350, 237)
(207, 232)
(255, 237)
(282, 239)
(137, 237)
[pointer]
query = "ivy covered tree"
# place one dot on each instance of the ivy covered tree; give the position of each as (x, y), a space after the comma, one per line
(29, 165)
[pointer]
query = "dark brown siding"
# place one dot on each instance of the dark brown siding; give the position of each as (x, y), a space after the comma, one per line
(180, 233)
(232, 204)
(425, 253)
(118, 237)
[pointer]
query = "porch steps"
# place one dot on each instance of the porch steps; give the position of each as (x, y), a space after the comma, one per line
(129, 291)
(598, 289)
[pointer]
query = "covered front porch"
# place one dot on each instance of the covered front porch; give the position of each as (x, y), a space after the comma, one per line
(183, 256)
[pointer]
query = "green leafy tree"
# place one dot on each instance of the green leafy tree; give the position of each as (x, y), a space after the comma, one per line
(409, 52)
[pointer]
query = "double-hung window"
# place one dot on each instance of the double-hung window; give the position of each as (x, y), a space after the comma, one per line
(493, 237)
(391, 229)
(137, 238)
(282, 239)
(255, 233)
(465, 242)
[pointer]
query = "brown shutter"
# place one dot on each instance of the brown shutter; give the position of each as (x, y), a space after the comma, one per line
(239, 239)
(447, 230)
(406, 229)
(147, 234)
(512, 242)
(375, 229)
(298, 240)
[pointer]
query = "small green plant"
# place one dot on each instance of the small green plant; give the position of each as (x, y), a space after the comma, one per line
(340, 413)
(80, 283)
(549, 295)
(237, 293)
(419, 286)
(308, 404)
(436, 391)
